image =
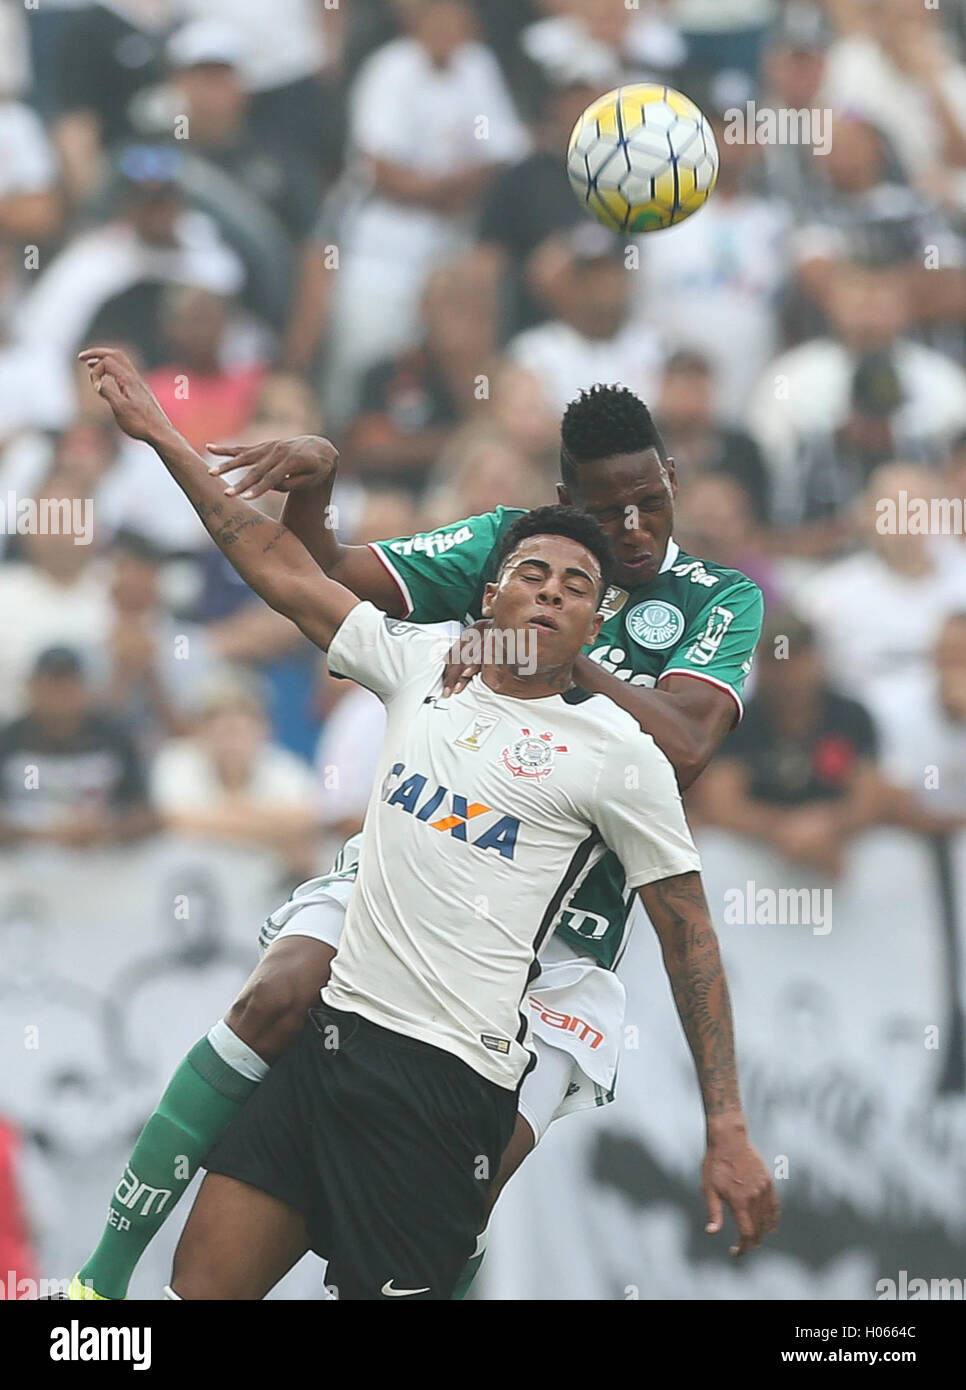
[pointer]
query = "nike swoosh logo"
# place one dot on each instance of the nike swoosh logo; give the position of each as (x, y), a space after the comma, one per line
(390, 1292)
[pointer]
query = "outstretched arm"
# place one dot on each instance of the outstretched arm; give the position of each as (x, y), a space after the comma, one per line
(732, 1170)
(305, 469)
(270, 559)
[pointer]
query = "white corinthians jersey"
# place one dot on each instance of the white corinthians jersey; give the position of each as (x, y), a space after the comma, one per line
(486, 813)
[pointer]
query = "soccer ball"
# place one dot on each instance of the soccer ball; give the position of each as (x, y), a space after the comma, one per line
(641, 158)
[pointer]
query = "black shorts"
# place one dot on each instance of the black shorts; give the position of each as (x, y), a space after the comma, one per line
(386, 1145)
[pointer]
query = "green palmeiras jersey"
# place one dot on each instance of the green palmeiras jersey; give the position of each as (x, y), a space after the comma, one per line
(694, 619)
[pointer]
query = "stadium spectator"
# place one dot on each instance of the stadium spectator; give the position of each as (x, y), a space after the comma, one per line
(152, 667)
(418, 149)
(520, 410)
(900, 71)
(410, 403)
(807, 390)
(68, 774)
(922, 724)
(207, 399)
(36, 389)
(229, 782)
(532, 199)
(285, 405)
(832, 466)
(106, 57)
(594, 336)
(348, 755)
(715, 518)
(714, 285)
(479, 470)
(878, 612)
(798, 771)
(30, 203)
(723, 33)
(864, 211)
(291, 51)
(107, 281)
(386, 512)
(630, 42)
(56, 593)
(792, 71)
(263, 194)
(687, 412)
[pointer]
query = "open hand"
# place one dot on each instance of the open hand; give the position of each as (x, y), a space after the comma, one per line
(279, 465)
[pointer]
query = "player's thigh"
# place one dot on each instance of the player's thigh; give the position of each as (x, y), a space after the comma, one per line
(270, 1010)
(237, 1243)
(541, 1095)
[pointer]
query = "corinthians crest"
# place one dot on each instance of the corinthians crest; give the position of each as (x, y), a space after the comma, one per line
(531, 755)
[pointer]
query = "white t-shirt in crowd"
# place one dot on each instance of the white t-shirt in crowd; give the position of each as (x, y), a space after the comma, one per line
(875, 625)
(440, 121)
(348, 754)
(807, 390)
(562, 45)
(719, 16)
(861, 77)
(100, 264)
(281, 41)
(920, 746)
(36, 613)
(27, 163)
(36, 390)
(487, 814)
(184, 779)
(713, 284)
(566, 362)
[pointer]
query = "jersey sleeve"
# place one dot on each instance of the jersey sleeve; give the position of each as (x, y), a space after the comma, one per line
(639, 813)
(440, 573)
(384, 654)
(718, 643)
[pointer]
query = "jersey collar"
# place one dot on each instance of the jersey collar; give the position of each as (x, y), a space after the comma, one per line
(670, 555)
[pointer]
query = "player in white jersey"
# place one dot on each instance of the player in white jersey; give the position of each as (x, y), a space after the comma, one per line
(374, 1139)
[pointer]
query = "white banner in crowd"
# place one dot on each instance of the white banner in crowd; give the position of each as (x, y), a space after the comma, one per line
(112, 966)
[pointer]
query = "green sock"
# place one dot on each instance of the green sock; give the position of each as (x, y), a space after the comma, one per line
(470, 1270)
(202, 1097)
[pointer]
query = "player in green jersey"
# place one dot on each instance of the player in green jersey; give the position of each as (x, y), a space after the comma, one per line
(674, 651)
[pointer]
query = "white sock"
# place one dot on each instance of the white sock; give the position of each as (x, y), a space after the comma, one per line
(237, 1054)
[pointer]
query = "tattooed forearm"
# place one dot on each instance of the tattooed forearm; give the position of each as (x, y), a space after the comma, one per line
(679, 913)
(280, 533)
(271, 560)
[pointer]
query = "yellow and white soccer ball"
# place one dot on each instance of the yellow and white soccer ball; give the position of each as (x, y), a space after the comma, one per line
(642, 157)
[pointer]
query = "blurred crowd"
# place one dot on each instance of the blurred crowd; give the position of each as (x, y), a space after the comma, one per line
(353, 218)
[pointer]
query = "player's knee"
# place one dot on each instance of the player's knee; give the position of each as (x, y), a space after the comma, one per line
(196, 1277)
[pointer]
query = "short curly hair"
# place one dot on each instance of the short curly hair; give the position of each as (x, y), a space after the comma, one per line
(603, 422)
(559, 521)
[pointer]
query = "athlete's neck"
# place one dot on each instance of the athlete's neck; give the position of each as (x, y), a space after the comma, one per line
(538, 685)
